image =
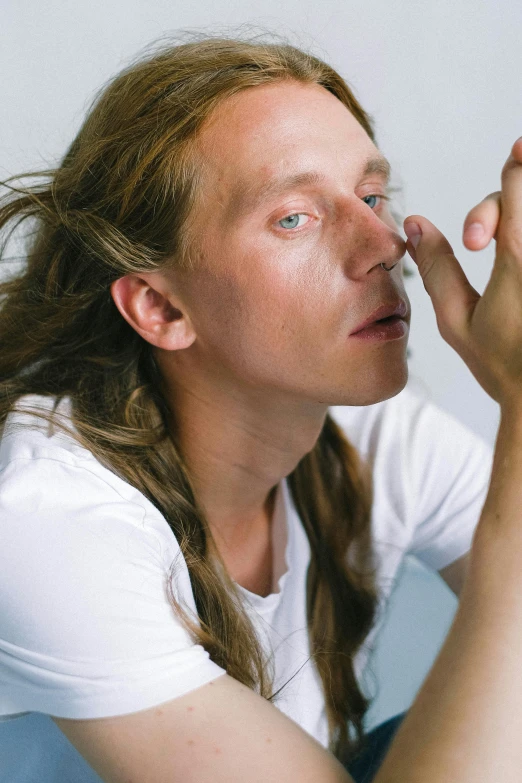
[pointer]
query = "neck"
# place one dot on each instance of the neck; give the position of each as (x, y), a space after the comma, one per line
(237, 449)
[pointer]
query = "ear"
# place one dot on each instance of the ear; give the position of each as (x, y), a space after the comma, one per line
(150, 306)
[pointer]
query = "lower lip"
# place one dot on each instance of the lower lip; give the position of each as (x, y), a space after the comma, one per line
(390, 329)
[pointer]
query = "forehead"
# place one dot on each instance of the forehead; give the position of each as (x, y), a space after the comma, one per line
(266, 132)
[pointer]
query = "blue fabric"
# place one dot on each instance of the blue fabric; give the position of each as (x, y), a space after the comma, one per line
(364, 767)
(34, 750)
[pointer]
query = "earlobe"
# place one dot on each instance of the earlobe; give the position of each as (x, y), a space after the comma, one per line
(152, 314)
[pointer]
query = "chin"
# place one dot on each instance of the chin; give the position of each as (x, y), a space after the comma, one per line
(375, 389)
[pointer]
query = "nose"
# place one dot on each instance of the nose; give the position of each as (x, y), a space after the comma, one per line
(372, 239)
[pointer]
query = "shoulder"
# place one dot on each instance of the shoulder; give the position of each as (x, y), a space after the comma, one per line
(85, 561)
(43, 466)
(73, 532)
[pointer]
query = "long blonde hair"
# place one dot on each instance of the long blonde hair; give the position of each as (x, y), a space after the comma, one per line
(120, 203)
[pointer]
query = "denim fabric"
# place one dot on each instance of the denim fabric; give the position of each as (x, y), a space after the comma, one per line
(363, 767)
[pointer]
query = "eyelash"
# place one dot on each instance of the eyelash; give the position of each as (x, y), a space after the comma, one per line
(295, 214)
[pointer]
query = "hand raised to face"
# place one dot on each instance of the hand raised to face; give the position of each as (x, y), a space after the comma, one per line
(486, 331)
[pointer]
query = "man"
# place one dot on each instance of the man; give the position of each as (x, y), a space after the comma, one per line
(306, 289)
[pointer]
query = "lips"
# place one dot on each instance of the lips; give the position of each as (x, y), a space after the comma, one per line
(399, 309)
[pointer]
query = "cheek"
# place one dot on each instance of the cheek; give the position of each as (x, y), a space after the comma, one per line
(293, 306)
(236, 310)
(265, 300)
(303, 283)
(281, 286)
(219, 306)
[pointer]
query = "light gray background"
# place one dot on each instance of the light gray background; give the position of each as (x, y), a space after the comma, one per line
(442, 81)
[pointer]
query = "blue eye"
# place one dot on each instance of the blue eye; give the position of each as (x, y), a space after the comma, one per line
(291, 218)
(370, 197)
(376, 195)
(294, 219)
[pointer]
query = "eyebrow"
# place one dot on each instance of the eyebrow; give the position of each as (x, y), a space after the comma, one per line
(245, 198)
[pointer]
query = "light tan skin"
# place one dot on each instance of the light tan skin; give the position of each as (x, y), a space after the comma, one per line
(223, 732)
(484, 218)
(255, 344)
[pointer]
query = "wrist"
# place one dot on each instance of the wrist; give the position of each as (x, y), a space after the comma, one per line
(502, 511)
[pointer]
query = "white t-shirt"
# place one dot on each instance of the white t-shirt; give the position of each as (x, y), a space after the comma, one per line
(86, 628)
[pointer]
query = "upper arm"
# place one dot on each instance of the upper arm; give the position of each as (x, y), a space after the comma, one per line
(222, 732)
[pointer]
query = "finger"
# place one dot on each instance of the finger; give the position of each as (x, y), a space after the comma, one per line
(452, 296)
(510, 229)
(481, 223)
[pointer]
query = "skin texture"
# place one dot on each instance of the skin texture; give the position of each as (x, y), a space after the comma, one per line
(224, 731)
(480, 227)
(254, 345)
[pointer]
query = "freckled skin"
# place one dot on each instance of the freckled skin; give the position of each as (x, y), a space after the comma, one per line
(253, 343)
(257, 282)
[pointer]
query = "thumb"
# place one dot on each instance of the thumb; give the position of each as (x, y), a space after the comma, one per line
(452, 295)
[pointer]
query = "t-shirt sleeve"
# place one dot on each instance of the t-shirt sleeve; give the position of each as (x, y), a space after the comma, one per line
(86, 626)
(450, 468)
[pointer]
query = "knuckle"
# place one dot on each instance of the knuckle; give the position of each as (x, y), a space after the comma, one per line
(444, 329)
(511, 244)
(495, 197)
(508, 167)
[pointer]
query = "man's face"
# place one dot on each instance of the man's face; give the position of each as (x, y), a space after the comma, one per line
(283, 277)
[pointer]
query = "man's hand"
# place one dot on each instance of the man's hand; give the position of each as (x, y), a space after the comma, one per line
(486, 331)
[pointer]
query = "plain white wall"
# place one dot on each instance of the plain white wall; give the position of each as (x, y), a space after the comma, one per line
(441, 79)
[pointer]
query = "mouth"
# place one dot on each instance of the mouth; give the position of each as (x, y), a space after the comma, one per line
(389, 319)
(391, 328)
(386, 314)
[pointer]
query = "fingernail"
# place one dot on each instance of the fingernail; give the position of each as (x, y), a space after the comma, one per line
(413, 232)
(475, 231)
